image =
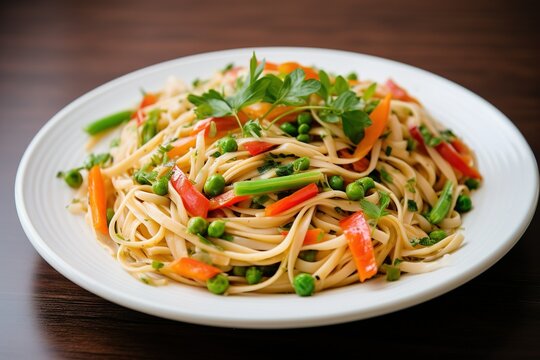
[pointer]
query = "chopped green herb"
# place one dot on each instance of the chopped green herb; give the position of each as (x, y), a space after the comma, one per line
(388, 151)
(144, 177)
(412, 206)
(386, 176)
(411, 144)
(99, 159)
(227, 67)
(428, 138)
(157, 264)
(409, 185)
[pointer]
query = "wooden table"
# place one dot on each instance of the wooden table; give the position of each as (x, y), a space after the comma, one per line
(51, 52)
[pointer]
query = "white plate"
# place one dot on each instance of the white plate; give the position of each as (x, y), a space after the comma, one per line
(503, 206)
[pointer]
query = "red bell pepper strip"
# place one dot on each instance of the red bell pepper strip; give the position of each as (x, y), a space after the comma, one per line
(298, 197)
(358, 166)
(358, 235)
(257, 147)
(97, 199)
(195, 203)
(147, 100)
(226, 199)
(398, 92)
(194, 269)
(379, 119)
(448, 152)
(313, 236)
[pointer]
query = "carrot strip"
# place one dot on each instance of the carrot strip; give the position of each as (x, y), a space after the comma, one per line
(194, 269)
(379, 119)
(97, 199)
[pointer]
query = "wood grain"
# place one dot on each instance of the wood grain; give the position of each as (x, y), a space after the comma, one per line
(54, 51)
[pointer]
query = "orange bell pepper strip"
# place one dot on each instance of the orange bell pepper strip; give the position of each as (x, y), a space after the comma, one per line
(358, 235)
(398, 92)
(97, 199)
(258, 110)
(194, 269)
(379, 119)
(181, 146)
(298, 197)
(270, 66)
(195, 203)
(313, 236)
(226, 199)
(289, 67)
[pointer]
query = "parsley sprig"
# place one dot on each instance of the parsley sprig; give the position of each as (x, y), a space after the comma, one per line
(340, 103)
(213, 103)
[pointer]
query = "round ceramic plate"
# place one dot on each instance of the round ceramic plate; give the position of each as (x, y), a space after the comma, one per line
(65, 241)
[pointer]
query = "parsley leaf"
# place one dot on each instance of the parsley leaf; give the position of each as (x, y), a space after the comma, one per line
(369, 92)
(373, 211)
(293, 90)
(253, 90)
(354, 123)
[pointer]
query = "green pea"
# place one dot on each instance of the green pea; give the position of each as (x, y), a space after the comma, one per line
(437, 235)
(304, 118)
(472, 184)
(228, 144)
(354, 191)
(253, 275)
(301, 164)
(304, 284)
(336, 182)
(463, 203)
(161, 186)
(308, 255)
(218, 284)
(197, 225)
(73, 178)
(289, 128)
(304, 128)
(239, 271)
(303, 138)
(216, 228)
(214, 185)
(367, 183)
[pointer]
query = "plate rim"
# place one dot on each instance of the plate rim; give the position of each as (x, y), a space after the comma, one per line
(100, 289)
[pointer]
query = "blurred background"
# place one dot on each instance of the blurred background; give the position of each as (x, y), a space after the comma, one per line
(51, 52)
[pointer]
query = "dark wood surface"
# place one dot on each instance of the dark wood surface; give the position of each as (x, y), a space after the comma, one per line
(51, 52)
